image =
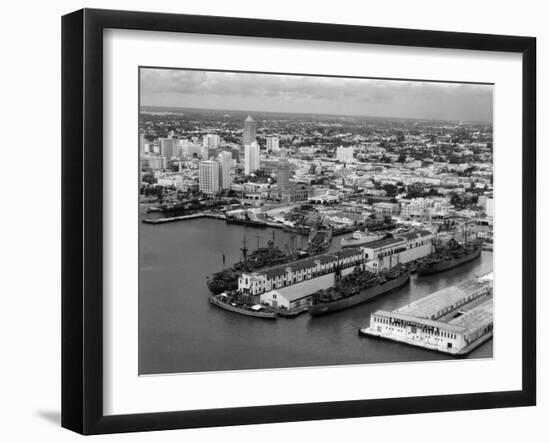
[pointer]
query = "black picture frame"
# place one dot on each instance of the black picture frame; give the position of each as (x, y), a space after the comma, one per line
(82, 234)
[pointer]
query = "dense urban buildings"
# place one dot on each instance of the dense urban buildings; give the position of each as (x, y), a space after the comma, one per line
(299, 213)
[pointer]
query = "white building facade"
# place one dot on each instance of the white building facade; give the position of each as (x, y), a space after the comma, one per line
(344, 155)
(251, 158)
(226, 162)
(272, 144)
(209, 176)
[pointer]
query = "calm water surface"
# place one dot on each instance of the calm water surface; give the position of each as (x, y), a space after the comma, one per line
(179, 331)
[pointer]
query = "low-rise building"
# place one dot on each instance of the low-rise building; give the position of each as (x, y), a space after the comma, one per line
(406, 248)
(277, 277)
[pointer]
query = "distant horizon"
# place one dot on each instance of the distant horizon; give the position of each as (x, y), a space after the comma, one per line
(252, 112)
(316, 95)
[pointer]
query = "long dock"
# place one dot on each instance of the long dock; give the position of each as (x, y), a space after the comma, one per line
(453, 320)
(156, 221)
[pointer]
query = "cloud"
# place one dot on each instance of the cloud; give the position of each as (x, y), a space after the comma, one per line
(319, 94)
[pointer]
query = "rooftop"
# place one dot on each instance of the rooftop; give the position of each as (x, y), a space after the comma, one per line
(383, 243)
(307, 263)
(306, 288)
(479, 316)
(427, 307)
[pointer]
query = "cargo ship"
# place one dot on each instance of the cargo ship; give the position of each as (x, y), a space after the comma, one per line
(357, 287)
(227, 279)
(229, 303)
(319, 240)
(245, 220)
(454, 254)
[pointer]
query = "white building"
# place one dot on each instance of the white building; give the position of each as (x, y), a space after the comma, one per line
(225, 160)
(211, 141)
(251, 158)
(272, 144)
(429, 323)
(408, 247)
(344, 155)
(249, 131)
(209, 176)
(142, 143)
(314, 269)
(490, 208)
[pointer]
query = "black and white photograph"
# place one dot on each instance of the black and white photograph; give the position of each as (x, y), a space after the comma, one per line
(290, 220)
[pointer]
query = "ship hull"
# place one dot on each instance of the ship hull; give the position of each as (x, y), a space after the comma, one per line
(268, 315)
(363, 296)
(445, 265)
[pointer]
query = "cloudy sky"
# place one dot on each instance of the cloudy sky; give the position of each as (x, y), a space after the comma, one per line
(319, 95)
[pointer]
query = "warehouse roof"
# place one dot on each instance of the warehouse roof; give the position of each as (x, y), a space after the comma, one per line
(478, 317)
(428, 306)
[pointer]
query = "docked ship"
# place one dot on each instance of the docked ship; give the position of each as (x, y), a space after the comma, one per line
(233, 304)
(319, 240)
(452, 255)
(245, 220)
(357, 287)
(227, 279)
(359, 238)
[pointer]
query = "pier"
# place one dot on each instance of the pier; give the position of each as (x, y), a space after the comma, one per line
(453, 320)
(156, 221)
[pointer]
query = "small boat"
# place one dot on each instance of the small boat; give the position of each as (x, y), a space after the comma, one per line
(224, 301)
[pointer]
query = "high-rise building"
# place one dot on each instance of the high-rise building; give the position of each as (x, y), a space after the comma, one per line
(251, 158)
(142, 143)
(283, 173)
(211, 140)
(344, 155)
(204, 152)
(249, 131)
(168, 147)
(272, 144)
(490, 207)
(209, 176)
(226, 161)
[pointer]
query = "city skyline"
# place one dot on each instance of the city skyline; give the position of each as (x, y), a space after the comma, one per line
(281, 93)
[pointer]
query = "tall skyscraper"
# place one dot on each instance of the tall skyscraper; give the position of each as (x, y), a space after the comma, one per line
(251, 158)
(249, 131)
(226, 161)
(272, 144)
(283, 173)
(209, 176)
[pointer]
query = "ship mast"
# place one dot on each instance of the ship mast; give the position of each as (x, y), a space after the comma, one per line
(244, 250)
